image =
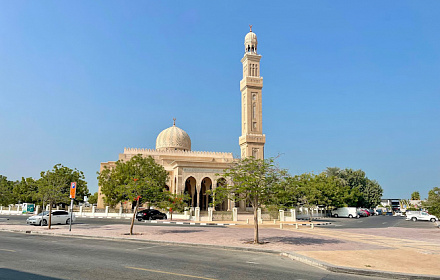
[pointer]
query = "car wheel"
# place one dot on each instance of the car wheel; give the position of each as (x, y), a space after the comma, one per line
(150, 218)
(413, 219)
(68, 221)
(350, 216)
(140, 220)
(44, 222)
(335, 215)
(432, 220)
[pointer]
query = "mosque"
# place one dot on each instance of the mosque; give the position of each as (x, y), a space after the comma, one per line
(194, 172)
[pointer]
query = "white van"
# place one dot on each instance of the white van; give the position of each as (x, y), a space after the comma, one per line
(348, 212)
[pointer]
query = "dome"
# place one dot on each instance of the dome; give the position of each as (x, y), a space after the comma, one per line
(250, 41)
(173, 138)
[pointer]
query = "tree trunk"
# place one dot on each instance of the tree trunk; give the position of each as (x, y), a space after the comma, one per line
(49, 223)
(134, 215)
(256, 241)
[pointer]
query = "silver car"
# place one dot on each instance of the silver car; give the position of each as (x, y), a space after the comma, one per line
(58, 217)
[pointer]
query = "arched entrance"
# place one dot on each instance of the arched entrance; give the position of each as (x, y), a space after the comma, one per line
(205, 199)
(190, 189)
(223, 206)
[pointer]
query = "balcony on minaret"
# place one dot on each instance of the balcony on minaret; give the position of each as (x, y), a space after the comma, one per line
(251, 82)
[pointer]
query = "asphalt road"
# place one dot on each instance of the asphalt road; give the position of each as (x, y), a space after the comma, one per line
(365, 222)
(27, 256)
(376, 222)
(21, 219)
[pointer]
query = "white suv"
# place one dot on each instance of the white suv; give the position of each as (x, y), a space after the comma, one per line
(420, 215)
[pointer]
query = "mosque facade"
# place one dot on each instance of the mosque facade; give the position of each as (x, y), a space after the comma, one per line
(194, 172)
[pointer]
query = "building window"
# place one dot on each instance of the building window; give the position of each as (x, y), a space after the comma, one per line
(255, 153)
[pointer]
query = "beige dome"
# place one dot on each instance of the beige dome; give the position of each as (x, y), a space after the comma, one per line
(250, 42)
(173, 138)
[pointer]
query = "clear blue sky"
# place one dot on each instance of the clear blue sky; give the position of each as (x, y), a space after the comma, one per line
(346, 83)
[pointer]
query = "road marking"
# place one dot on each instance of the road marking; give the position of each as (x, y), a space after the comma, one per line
(149, 247)
(171, 273)
(251, 262)
(13, 251)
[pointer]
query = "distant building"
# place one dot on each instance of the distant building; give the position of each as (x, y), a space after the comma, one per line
(393, 202)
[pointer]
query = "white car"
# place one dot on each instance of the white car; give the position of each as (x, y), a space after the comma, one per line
(58, 217)
(398, 213)
(420, 215)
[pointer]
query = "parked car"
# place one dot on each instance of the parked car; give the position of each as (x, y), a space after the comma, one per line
(362, 213)
(398, 213)
(379, 212)
(367, 213)
(420, 215)
(58, 217)
(348, 212)
(150, 214)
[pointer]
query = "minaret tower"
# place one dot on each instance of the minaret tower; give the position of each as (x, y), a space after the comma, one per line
(252, 138)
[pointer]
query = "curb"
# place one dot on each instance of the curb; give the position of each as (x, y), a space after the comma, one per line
(190, 223)
(357, 271)
(290, 255)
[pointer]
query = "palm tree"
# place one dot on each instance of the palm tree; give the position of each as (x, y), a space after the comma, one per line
(332, 171)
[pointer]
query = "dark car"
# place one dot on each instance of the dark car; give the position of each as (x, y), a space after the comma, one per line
(150, 214)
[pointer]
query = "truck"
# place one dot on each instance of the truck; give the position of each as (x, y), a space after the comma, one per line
(420, 215)
(348, 212)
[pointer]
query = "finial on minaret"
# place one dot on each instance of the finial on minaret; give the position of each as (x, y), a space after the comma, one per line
(250, 27)
(174, 121)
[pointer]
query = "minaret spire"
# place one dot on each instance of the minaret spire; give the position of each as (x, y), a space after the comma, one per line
(174, 121)
(252, 139)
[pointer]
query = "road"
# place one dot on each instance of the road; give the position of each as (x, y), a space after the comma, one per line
(376, 222)
(21, 219)
(26, 256)
(365, 222)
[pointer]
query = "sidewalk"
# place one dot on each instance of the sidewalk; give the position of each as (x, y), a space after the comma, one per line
(377, 252)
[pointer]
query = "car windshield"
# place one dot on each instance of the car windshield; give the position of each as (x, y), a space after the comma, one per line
(43, 213)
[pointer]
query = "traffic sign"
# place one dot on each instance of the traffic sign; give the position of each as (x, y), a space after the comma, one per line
(72, 190)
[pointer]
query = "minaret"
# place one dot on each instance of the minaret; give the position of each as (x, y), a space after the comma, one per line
(252, 138)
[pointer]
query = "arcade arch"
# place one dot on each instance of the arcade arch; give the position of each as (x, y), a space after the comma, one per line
(190, 189)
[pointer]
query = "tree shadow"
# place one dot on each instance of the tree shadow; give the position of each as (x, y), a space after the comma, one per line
(8, 274)
(182, 231)
(300, 240)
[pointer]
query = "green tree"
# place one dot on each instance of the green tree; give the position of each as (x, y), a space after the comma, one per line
(310, 190)
(256, 181)
(364, 192)
(433, 202)
(139, 179)
(109, 181)
(174, 203)
(54, 186)
(6, 191)
(93, 199)
(26, 190)
(415, 196)
(371, 194)
(333, 171)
